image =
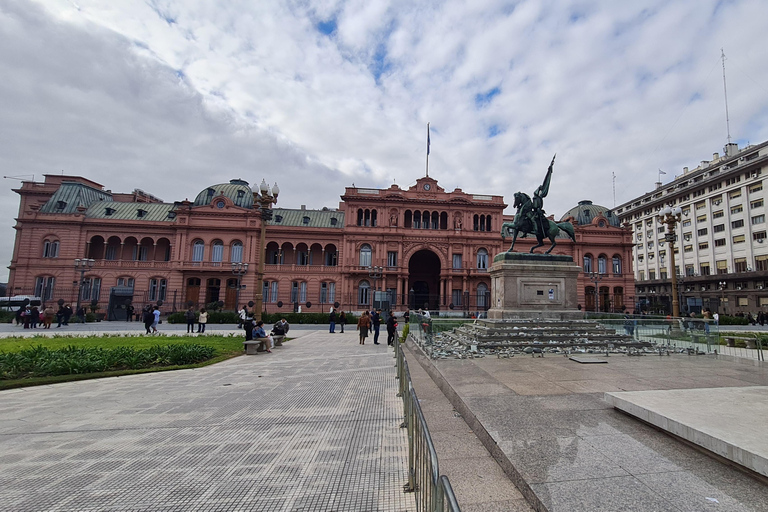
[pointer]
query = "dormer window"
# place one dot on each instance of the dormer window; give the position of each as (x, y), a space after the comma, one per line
(305, 220)
(109, 211)
(171, 215)
(60, 205)
(278, 218)
(211, 192)
(334, 221)
(141, 213)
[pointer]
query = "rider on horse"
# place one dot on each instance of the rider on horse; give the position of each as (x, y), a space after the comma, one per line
(537, 215)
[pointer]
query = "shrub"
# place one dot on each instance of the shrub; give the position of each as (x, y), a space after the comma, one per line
(406, 331)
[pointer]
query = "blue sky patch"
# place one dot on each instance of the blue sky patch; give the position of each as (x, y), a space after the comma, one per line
(484, 98)
(327, 27)
(494, 130)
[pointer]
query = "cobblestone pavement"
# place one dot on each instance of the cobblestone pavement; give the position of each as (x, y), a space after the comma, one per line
(311, 427)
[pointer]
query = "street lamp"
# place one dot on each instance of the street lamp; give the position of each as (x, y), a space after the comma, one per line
(239, 269)
(82, 266)
(375, 273)
(722, 285)
(265, 200)
(596, 277)
(670, 217)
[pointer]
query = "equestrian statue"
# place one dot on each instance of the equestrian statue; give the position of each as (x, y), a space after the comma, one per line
(531, 219)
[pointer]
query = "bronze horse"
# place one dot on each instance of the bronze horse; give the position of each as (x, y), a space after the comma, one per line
(523, 223)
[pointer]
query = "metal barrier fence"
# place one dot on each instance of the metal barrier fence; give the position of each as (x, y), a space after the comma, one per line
(433, 491)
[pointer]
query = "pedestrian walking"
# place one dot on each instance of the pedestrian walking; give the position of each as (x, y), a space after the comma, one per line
(391, 328)
(148, 318)
(128, 313)
(332, 320)
(376, 323)
(363, 324)
(156, 315)
(342, 320)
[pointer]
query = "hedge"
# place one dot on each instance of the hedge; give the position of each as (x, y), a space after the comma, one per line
(230, 317)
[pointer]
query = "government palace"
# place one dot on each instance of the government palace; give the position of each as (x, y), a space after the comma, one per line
(415, 247)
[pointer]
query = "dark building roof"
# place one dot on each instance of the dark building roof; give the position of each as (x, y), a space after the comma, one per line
(132, 211)
(71, 195)
(307, 218)
(236, 190)
(585, 212)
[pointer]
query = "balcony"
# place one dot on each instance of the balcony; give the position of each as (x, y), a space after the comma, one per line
(131, 264)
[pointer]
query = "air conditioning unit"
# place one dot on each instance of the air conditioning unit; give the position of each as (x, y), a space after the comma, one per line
(738, 287)
(759, 240)
(759, 287)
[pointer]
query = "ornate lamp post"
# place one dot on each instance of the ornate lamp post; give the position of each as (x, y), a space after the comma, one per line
(239, 269)
(670, 217)
(596, 277)
(265, 200)
(82, 266)
(375, 273)
(722, 285)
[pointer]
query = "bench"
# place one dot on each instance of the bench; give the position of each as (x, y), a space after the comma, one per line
(278, 339)
(254, 346)
(731, 341)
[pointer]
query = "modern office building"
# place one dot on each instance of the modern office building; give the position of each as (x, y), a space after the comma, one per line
(421, 246)
(720, 248)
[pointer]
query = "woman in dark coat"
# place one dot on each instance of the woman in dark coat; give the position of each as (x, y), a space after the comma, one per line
(363, 325)
(391, 329)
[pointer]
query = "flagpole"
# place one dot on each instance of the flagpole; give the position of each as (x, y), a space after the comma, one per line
(427, 150)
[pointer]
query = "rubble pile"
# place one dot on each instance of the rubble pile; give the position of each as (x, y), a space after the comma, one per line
(508, 338)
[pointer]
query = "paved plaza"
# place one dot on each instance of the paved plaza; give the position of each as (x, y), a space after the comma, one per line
(314, 426)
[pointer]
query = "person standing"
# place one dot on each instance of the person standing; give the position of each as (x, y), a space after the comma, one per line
(407, 316)
(60, 315)
(129, 313)
(156, 320)
(148, 318)
(67, 313)
(362, 326)
(48, 317)
(391, 329)
(189, 315)
(81, 314)
(35, 317)
(243, 315)
(332, 320)
(342, 320)
(202, 320)
(248, 326)
(376, 322)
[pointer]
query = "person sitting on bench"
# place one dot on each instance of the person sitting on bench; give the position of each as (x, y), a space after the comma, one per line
(260, 334)
(280, 328)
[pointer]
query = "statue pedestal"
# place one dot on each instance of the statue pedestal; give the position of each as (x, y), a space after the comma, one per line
(534, 286)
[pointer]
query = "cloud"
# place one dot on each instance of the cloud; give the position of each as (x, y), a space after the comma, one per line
(172, 96)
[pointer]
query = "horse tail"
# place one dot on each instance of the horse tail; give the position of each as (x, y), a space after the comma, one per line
(568, 228)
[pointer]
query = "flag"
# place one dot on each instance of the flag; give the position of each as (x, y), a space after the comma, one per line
(661, 172)
(427, 139)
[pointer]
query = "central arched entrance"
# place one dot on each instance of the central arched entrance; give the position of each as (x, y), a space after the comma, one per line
(424, 280)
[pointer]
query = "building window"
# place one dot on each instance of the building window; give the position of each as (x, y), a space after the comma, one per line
(702, 232)
(686, 223)
(640, 276)
(701, 205)
(198, 249)
(327, 293)
(758, 219)
(757, 187)
(331, 258)
(734, 194)
(303, 291)
(110, 253)
(157, 289)
(602, 264)
(652, 274)
(722, 266)
(737, 224)
(703, 245)
(302, 258)
(720, 242)
(740, 265)
(140, 253)
(391, 258)
(456, 298)
(217, 252)
(44, 287)
(482, 258)
(91, 289)
(736, 209)
(125, 281)
(365, 255)
(688, 248)
(701, 218)
(237, 252)
(718, 228)
(758, 236)
(364, 293)
(756, 204)
(269, 291)
(457, 261)
(704, 269)
(588, 263)
(717, 214)
(51, 249)
(761, 263)
(482, 293)
(738, 239)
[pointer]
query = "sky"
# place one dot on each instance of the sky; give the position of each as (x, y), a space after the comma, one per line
(171, 96)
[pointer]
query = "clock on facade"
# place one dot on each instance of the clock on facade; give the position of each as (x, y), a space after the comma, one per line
(220, 204)
(427, 186)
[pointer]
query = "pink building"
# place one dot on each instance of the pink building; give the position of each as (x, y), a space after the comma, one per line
(415, 247)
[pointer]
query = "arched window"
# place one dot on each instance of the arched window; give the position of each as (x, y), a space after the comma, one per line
(236, 255)
(476, 223)
(416, 220)
(617, 265)
(44, 287)
(482, 258)
(157, 288)
(129, 281)
(587, 263)
(364, 293)
(365, 255)
(602, 264)
(51, 249)
(482, 295)
(408, 220)
(198, 248)
(217, 251)
(359, 216)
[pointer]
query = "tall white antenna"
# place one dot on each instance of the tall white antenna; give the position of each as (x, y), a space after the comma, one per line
(614, 188)
(725, 91)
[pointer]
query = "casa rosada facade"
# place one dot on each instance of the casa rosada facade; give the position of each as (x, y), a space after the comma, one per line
(401, 248)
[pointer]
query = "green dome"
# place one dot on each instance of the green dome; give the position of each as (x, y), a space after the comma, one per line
(585, 212)
(236, 190)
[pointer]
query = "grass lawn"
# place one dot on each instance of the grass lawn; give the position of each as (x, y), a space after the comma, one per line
(224, 347)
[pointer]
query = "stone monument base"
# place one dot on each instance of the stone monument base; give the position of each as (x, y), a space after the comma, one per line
(534, 286)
